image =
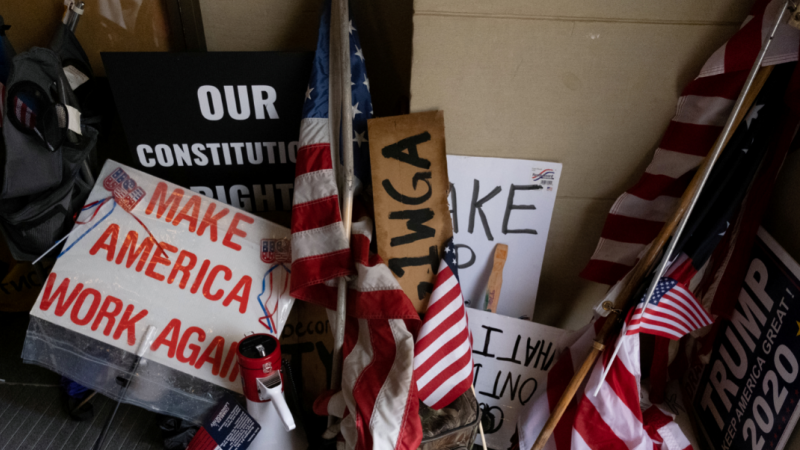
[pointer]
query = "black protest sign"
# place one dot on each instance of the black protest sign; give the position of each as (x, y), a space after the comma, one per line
(222, 124)
(747, 395)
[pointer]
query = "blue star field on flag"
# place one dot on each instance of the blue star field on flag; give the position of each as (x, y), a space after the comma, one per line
(664, 285)
(451, 257)
(316, 99)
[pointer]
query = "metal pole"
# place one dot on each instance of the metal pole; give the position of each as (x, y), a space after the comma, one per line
(72, 13)
(341, 56)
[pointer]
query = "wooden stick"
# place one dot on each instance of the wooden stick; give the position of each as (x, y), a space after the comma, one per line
(480, 424)
(645, 265)
(86, 400)
(492, 297)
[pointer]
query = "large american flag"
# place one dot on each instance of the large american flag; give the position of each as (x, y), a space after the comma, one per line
(638, 215)
(612, 419)
(443, 352)
(672, 312)
(378, 401)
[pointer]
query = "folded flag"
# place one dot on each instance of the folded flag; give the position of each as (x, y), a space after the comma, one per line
(378, 400)
(443, 352)
(672, 312)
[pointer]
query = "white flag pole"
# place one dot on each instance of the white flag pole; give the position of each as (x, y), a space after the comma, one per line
(341, 108)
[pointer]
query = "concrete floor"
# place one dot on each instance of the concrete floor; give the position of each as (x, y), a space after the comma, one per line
(32, 415)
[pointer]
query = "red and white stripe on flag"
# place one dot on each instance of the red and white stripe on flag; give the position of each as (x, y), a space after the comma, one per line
(611, 420)
(319, 247)
(378, 401)
(638, 214)
(443, 352)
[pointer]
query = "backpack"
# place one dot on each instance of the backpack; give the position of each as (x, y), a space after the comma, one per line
(44, 178)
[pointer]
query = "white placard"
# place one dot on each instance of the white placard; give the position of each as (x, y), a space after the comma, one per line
(492, 201)
(511, 358)
(202, 292)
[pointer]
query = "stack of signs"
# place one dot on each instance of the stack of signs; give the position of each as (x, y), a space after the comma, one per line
(746, 396)
(147, 252)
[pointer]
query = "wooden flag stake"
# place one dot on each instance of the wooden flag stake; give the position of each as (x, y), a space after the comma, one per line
(492, 297)
(755, 81)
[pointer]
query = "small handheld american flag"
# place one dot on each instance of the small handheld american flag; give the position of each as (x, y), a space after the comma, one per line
(672, 312)
(443, 352)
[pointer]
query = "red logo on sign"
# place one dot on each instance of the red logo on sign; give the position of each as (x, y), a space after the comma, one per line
(276, 251)
(125, 190)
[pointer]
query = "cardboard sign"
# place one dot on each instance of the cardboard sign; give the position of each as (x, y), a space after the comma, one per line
(409, 188)
(147, 252)
(225, 124)
(511, 358)
(507, 201)
(748, 393)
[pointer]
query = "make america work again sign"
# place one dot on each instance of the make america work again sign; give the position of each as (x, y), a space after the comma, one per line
(223, 124)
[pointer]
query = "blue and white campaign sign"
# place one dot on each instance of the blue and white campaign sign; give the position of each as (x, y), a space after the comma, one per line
(501, 201)
(746, 396)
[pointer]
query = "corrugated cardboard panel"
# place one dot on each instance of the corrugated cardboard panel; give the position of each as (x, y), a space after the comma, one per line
(593, 94)
(111, 26)
(249, 25)
(291, 25)
(619, 10)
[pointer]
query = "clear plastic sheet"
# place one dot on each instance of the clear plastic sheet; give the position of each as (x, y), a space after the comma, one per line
(97, 365)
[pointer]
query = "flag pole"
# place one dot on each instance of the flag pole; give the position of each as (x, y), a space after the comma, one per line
(730, 126)
(676, 223)
(340, 70)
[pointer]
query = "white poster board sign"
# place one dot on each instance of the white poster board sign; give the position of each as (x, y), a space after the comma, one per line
(201, 278)
(501, 201)
(511, 359)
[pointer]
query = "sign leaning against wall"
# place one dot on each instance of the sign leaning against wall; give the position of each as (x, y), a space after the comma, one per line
(222, 124)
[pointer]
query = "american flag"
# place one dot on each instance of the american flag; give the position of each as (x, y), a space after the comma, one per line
(614, 418)
(443, 352)
(638, 215)
(672, 312)
(378, 402)
(24, 113)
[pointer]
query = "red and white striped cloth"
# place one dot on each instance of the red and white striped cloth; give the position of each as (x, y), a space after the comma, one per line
(638, 214)
(609, 421)
(443, 352)
(377, 388)
(378, 401)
